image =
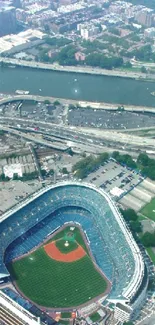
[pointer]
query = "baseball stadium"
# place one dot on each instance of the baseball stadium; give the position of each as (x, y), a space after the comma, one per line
(67, 246)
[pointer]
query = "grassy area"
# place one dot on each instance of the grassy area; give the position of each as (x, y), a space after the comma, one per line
(141, 217)
(143, 132)
(65, 315)
(151, 254)
(50, 283)
(60, 244)
(95, 317)
(131, 69)
(63, 321)
(77, 236)
(149, 210)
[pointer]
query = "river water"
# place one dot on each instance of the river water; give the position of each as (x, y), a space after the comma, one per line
(77, 86)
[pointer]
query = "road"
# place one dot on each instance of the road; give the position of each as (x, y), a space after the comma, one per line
(83, 104)
(93, 138)
(141, 64)
(33, 138)
(76, 69)
(149, 320)
(79, 139)
(91, 134)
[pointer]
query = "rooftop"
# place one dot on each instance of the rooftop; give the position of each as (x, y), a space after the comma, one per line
(9, 41)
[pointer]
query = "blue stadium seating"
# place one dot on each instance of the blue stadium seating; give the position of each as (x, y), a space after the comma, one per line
(29, 226)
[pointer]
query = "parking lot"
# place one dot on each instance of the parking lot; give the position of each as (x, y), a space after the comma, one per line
(115, 179)
(15, 191)
(105, 119)
(30, 109)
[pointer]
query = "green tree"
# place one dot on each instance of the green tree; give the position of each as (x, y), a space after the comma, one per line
(56, 103)
(83, 154)
(114, 31)
(120, 108)
(15, 177)
(4, 178)
(143, 69)
(149, 172)
(47, 102)
(148, 239)
(143, 159)
(124, 159)
(128, 65)
(87, 165)
(102, 158)
(143, 54)
(136, 226)
(81, 173)
(102, 61)
(71, 106)
(151, 285)
(67, 55)
(51, 172)
(134, 37)
(59, 42)
(115, 154)
(46, 28)
(65, 171)
(129, 215)
(43, 56)
(147, 165)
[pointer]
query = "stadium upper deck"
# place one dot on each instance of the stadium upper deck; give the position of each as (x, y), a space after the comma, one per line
(12, 313)
(124, 253)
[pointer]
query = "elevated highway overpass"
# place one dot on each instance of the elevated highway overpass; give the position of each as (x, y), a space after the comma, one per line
(62, 137)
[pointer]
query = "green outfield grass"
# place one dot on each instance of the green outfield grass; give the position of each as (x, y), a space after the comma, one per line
(57, 284)
(149, 210)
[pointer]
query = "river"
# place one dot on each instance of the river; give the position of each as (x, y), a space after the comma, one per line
(77, 86)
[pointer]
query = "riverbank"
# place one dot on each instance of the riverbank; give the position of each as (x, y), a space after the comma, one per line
(83, 104)
(78, 69)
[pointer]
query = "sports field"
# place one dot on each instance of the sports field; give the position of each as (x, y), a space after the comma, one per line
(58, 283)
(149, 210)
(95, 317)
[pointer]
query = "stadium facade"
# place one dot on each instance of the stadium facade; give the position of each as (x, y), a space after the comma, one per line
(111, 242)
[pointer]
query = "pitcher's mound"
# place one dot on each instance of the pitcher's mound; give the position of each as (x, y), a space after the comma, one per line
(52, 251)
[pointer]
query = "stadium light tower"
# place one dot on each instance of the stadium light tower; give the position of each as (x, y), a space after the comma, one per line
(55, 170)
(55, 175)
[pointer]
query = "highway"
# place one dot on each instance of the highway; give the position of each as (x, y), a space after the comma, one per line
(33, 138)
(79, 139)
(141, 64)
(75, 69)
(53, 143)
(73, 131)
